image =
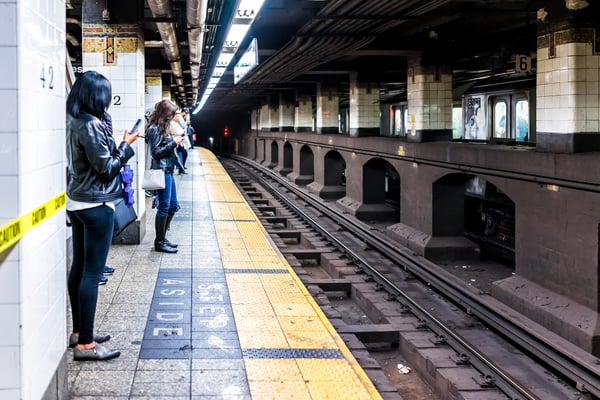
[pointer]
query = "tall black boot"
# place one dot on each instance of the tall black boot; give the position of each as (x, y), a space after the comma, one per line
(159, 242)
(167, 227)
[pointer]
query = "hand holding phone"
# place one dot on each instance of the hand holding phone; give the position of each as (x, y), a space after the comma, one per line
(136, 125)
(132, 135)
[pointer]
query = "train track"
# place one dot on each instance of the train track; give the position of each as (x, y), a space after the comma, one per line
(510, 354)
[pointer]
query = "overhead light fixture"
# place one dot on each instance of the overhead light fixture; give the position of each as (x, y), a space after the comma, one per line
(246, 12)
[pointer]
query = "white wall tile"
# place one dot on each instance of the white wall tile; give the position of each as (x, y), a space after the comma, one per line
(10, 368)
(10, 334)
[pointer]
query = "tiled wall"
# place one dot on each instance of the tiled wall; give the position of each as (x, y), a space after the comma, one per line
(286, 115)
(568, 89)
(153, 93)
(364, 104)
(430, 101)
(265, 118)
(327, 107)
(303, 113)
(127, 77)
(33, 272)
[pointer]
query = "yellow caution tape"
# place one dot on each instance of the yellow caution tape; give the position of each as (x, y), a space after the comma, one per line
(16, 229)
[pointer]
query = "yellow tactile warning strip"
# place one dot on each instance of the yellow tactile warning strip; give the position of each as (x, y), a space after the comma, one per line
(290, 349)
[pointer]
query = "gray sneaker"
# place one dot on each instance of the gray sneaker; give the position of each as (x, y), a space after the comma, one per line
(97, 353)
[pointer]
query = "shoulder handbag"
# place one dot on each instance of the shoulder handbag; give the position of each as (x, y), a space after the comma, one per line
(124, 215)
(154, 179)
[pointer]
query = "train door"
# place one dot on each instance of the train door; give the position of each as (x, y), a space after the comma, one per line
(522, 119)
(399, 120)
(500, 117)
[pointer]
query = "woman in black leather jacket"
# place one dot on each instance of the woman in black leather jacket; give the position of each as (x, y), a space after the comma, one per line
(162, 148)
(93, 184)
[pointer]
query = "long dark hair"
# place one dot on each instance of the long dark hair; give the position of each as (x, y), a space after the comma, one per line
(163, 113)
(91, 93)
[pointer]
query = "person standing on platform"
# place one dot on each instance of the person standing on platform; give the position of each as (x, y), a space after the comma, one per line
(191, 132)
(94, 164)
(177, 130)
(162, 148)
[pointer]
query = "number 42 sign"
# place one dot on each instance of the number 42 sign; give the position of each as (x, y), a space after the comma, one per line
(523, 63)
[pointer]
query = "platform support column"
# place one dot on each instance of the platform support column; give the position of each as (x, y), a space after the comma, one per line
(113, 45)
(265, 118)
(286, 112)
(327, 108)
(303, 118)
(364, 119)
(568, 79)
(429, 87)
(154, 92)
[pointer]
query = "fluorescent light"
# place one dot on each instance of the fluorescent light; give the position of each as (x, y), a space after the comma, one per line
(246, 12)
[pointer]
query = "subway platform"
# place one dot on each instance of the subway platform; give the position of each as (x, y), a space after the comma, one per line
(224, 318)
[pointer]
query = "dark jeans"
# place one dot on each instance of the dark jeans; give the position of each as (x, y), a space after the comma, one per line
(167, 198)
(92, 237)
(183, 155)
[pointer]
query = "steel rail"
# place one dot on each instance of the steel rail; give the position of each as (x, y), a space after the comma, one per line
(558, 358)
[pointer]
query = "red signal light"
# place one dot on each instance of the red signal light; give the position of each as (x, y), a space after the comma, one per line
(226, 131)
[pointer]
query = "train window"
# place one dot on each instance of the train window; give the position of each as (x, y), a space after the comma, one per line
(399, 120)
(500, 117)
(457, 124)
(398, 128)
(522, 122)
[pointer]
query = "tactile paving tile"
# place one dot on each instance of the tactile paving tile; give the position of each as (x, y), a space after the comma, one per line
(301, 309)
(294, 390)
(335, 390)
(275, 370)
(253, 309)
(264, 339)
(302, 323)
(240, 293)
(310, 354)
(309, 339)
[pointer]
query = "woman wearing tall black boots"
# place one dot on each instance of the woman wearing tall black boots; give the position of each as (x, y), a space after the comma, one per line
(162, 148)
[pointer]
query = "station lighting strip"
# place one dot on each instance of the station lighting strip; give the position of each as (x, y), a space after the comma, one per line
(242, 20)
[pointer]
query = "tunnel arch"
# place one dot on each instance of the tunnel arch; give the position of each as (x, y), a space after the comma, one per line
(274, 154)
(288, 159)
(334, 176)
(307, 166)
(381, 191)
(471, 206)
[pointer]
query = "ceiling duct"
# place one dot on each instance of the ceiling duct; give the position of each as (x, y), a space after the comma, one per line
(161, 9)
(196, 19)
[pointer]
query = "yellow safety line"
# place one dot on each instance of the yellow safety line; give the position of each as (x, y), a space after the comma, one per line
(17, 228)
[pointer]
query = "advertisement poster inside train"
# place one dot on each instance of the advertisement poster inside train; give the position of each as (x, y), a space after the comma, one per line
(474, 119)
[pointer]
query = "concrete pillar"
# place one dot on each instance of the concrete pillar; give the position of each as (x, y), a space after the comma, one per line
(265, 118)
(429, 93)
(286, 113)
(117, 52)
(568, 78)
(33, 268)
(274, 114)
(153, 93)
(327, 108)
(364, 107)
(303, 119)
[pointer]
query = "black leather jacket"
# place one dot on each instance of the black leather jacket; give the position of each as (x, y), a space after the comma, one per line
(94, 161)
(162, 150)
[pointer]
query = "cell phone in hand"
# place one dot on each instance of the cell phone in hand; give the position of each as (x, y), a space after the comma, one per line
(136, 125)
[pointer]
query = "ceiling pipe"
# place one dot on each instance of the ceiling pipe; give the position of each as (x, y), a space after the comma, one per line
(162, 9)
(196, 11)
